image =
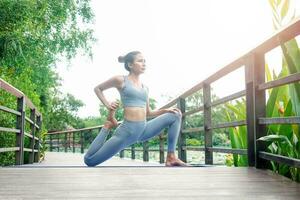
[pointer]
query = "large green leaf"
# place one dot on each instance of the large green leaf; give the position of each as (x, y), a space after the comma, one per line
(275, 138)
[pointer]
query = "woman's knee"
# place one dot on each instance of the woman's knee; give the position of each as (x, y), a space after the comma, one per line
(177, 115)
(88, 161)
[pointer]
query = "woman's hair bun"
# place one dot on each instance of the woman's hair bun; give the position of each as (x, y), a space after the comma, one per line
(121, 59)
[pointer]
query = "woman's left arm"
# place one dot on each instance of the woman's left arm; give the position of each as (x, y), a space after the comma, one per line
(155, 113)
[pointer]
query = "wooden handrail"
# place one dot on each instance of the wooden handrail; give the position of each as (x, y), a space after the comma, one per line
(34, 121)
(280, 36)
(17, 93)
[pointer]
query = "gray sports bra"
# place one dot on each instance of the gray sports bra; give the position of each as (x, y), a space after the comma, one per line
(132, 96)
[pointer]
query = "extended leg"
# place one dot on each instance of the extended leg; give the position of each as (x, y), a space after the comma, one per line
(154, 127)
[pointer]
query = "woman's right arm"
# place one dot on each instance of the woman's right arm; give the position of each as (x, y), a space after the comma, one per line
(116, 82)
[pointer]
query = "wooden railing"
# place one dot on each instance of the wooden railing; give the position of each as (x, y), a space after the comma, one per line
(34, 120)
(254, 92)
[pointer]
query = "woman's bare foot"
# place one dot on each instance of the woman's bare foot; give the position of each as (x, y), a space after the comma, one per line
(111, 120)
(172, 161)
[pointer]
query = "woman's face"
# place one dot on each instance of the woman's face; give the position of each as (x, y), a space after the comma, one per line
(139, 64)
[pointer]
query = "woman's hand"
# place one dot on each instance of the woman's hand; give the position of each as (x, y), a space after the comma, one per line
(113, 105)
(173, 110)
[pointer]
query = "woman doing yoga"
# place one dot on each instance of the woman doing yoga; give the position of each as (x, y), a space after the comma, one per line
(135, 127)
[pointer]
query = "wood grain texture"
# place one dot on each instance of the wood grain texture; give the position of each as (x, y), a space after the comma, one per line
(114, 180)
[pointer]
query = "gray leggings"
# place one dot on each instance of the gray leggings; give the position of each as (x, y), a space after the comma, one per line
(130, 132)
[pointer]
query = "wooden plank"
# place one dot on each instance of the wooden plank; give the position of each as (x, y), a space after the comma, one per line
(145, 182)
(191, 130)
(282, 35)
(13, 130)
(279, 120)
(8, 110)
(28, 120)
(293, 162)
(229, 98)
(27, 150)
(201, 108)
(283, 81)
(28, 135)
(194, 148)
(227, 150)
(10, 89)
(8, 149)
(229, 124)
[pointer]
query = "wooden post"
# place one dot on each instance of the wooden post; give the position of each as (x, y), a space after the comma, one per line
(207, 124)
(122, 153)
(161, 148)
(249, 85)
(37, 144)
(57, 142)
(133, 152)
(182, 137)
(145, 151)
(51, 143)
(21, 126)
(81, 141)
(32, 141)
(259, 107)
(73, 142)
(66, 142)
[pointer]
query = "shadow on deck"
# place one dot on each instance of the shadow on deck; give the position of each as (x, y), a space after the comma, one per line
(64, 176)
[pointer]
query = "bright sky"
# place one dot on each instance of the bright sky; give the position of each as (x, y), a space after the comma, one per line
(183, 41)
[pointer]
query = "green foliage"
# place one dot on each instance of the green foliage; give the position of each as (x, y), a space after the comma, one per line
(284, 100)
(34, 35)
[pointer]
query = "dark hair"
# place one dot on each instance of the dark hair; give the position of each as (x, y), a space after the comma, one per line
(128, 58)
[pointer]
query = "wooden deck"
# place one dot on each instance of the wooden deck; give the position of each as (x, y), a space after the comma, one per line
(64, 176)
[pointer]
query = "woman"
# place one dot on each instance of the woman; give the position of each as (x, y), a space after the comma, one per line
(134, 128)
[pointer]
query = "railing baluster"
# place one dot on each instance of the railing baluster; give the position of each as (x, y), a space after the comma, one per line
(81, 141)
(37, 144)
(66, 142)
(259, 106)
(250, 118)
(207, 124)
(145, 151)
(121, 153)
(20, 136)
(73, 142)
(161, 148)
(133, 152)
(32, 141)
(58, 142)
(182, 137)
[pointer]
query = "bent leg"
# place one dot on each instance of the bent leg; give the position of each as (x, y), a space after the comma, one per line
(123, 137)
(172, 121)
(98, 142)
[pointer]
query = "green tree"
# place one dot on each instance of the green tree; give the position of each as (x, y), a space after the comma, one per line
(34, 35)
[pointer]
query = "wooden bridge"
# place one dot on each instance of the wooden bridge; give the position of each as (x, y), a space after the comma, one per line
(63, 176)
